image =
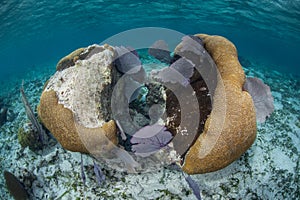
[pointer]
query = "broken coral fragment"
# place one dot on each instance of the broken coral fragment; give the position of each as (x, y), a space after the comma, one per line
(209, 119)
(74, 102)
(223, 141)
(76, 107)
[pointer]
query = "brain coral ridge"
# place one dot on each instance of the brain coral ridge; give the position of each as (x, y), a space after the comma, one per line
(75, 106)
(69, 105)
(223, 140)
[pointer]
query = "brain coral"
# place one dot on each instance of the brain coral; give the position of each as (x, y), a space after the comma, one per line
(223, 141)
(74, 105)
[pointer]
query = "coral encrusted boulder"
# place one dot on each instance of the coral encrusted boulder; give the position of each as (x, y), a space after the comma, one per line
(75, 106)
(228, 123)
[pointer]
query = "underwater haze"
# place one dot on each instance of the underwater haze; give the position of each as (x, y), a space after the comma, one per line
(36, 33)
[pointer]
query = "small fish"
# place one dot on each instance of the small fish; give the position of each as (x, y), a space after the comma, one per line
(193, 185)
(82, 172)
(100, 177)
(14, 186)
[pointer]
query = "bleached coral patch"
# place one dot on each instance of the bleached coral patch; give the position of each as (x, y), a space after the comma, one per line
(79, 87)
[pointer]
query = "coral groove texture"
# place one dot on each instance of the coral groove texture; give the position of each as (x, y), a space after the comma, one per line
(73, 105)
(231, 127)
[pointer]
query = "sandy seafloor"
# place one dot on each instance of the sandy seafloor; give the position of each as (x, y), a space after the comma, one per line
(268, 170)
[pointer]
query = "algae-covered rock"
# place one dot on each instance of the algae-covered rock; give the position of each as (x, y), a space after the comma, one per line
(28, 137)
(69, 60)
(78, 54)
(76, 100)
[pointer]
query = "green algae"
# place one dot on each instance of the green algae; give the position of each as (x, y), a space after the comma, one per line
(28, 137)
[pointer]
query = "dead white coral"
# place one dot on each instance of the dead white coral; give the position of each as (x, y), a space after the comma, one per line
(79, 87)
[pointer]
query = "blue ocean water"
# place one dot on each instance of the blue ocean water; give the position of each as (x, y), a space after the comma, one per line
(33, 34)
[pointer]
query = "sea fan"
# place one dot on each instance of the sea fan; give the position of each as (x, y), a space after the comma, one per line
(192, 44)
(150, 139)
(184, 67)
(127, 62)
(31, 117)
(160, 51)
(262, 98)
(100, 177)
(179, 72)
